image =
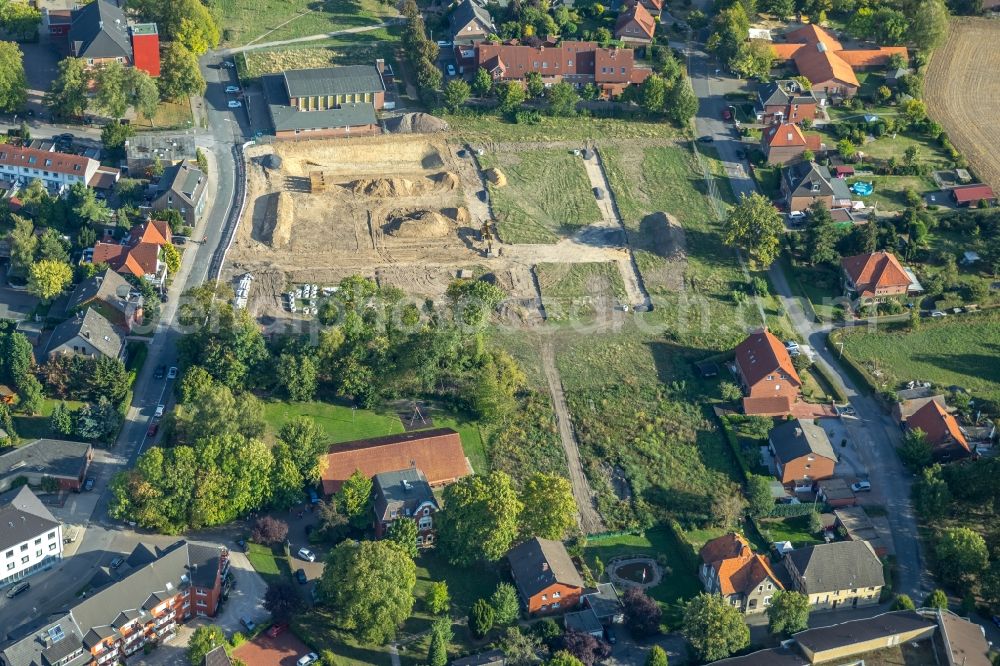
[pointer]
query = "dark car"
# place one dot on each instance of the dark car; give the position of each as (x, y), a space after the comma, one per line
(151, 430)
(599, 193)
(309, 529)
(88, 485)
(18, 589)
(300, 575)
(610, 635)
(706, 139)
(161, 370)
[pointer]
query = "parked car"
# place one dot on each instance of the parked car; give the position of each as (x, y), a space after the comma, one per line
(228, 64)
(232, 89)
(247, 623)
(159, 372)
(88, 485)
(726, 114)
(846, 410)
(451, 69)
(308, 659)
(796, 215)
(609, 633)
(276, 629)
(151, 430)
(117, 562)
(996, 620)
(313, 497)
(159, 411)
(172, 373)
(706, 139)
(598, 193)
(861, 487)
(938, 313)
(18, 589)
(307, 555)
(300, 575)
(791, 344)
(234, 104)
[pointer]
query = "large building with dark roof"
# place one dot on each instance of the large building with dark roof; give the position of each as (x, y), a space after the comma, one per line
(545, 576)
(66, 462)
(99, 33)
(325, 102)
(404, 495)
(30, 536)
(158, 590)
(837, 575)
(182, 188)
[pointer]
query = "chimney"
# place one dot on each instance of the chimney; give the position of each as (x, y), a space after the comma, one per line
(380, 65)
(86, 334)
(100, 25)
(100, 280)
(798, 432)
(545, 566)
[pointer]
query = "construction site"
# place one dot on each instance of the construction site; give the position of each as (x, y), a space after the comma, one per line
(409, 211)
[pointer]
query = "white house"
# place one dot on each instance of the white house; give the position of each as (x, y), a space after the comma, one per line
(57, 171)
(30, 537)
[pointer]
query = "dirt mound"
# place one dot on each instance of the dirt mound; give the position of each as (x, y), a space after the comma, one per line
(382, 187)
(668, 235)
(460, 215)
(447, 180)
(420, 224)
(415, 123)
(496, 177)
(284, 216)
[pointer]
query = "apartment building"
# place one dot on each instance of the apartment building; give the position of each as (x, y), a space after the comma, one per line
(30, 537)
(57, 171)
(159, 589)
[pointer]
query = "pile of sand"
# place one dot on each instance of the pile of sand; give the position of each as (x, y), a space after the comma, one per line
(382, 187)
(446, 180)
(284, 216)
(496, 177)
(421, 224)
(415, 123)
(460, 215)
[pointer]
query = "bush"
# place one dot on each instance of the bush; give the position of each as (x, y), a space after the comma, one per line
(481, 618)
(269, 531)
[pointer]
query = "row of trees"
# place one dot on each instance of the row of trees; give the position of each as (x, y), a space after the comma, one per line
(17, 369)
(717, 629)
(422, 53)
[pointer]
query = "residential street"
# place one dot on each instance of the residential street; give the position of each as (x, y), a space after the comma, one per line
(873, 434)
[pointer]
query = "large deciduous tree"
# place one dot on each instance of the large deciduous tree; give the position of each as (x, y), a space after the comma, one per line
(642, 613)
(47, 279)
(480, 518)
(964, 555)
(67, 96)
(369, 587)
(714, 627)
(549, 510)
(180, 76)
(755, 225)
(204, 639)
(788, 612)
(13, 84)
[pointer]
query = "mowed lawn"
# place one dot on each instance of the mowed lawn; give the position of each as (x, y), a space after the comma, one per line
(890, 191)
(574, 291)
(547, 195)
(959, 350)
(245, 21)
(37, 427)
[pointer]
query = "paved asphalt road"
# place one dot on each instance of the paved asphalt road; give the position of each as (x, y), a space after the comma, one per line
(104, 538)
(873, 433)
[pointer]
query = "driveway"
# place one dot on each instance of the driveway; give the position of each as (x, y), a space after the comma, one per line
(246, 598)
(43, 60)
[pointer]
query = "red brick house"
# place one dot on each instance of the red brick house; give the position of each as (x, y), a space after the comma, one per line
(802, 453)
(404, 495)
(785, 142)
(943, 432)
(971, 195)
(436, 453)
(612, 69)
(785, 101)
(545, 576)
(635, 25)
(875, 278)
(769, 381)
(730, 568)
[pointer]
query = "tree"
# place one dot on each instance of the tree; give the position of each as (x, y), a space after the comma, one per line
(642, 614)
(931, 495)
(21, 20)
(820, 236)
(846, 149)
(681, 102)
(730, 391)
(180, 76)
(728, 508)
(403, 532)
(481, 618)
(759, 495)
(653, 94)
(297, 374)
(534, 85)
(456, 93)
(755, 225)
(67, 96)
(482, 84)
(927, 24)
(788, 612)
(520, 649)
(936, 599)
(910, 155)
(112, 89)
(171, 257)
(143, 93)
(369, 587)
(549, 510)
(754, 58)
(282, 601)
(286, 480)
(61, 420)
(47, 279)
(714, 627)
(204, 639)
(506, 605)
(585, 647)
(511, 95)
(269, 531)
(306, 445)
(30, 396)
(355, 496)
(657, 656)
(23, 244)
(563, 99)
(903, 602)
(965, 553)
(481, 519)
(441, 635)
(436, 598)
(916, 451)
(186, 21)
(563, 658)
(13, 84)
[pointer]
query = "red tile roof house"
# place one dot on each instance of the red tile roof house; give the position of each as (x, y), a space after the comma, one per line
(875, 278)
(436, 453)
(140, 255)
(942, 430)
(971, 195)
(823, 60)
(765, 371)
(635, 25)
(545, 576)
(729, 567)
(612, 70)
(785, 143)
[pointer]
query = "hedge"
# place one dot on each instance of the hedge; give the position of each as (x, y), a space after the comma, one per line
(794, 510)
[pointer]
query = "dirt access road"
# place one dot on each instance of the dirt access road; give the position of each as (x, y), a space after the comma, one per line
(962, 91)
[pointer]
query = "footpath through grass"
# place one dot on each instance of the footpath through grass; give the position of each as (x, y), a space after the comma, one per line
(244, 21)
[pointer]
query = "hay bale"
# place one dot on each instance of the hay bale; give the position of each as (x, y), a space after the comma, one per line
(421, 224)
(284, 216)
(496, 177)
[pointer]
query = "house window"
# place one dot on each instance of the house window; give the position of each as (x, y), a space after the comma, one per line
(10, 565)
(52, 546)
(427, 511)
(429, 538)
(38, 541)
(24, 547)
(556, 604)
(545, 597)
(393, 513)
(201, 604)
(770, 378)
(767, 600)
(24, 560)
(425, 523)
(52, 535)
(9, 553)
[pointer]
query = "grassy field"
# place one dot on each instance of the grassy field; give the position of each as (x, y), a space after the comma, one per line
(575, 291)
(817, 284)
(356, 49)
(169, 115)
(959, 350)
(270, 563)
(794, 529)
(489, 128)
(928, 151)
(890, 191)
(547, 195)
(37, 427)
(247, 21)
